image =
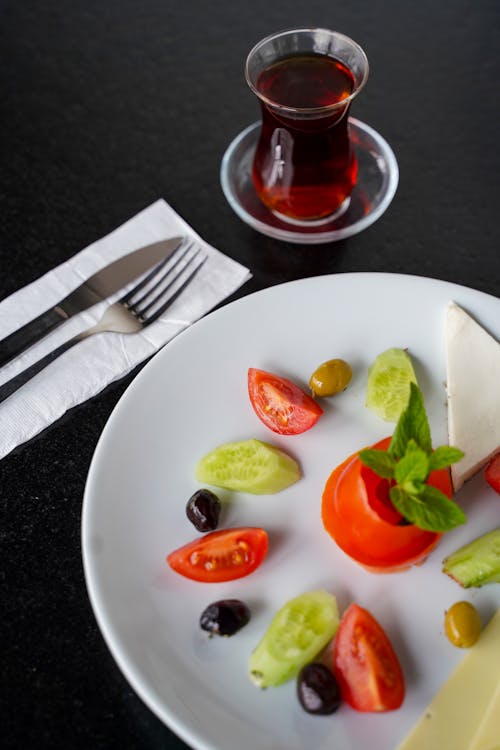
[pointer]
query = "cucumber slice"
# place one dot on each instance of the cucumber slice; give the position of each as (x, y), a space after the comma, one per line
(296, 635)
(248, 466)
(476, 563)
(388, 387)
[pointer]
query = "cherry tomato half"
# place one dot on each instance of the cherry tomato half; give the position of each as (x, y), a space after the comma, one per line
(280, 404)
(365, 664)
(492, 473)
(221, 555)
(358, 514)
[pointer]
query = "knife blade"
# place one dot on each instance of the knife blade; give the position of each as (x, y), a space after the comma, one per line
(97, 288)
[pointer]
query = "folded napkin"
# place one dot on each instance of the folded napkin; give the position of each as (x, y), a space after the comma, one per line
(91, 365)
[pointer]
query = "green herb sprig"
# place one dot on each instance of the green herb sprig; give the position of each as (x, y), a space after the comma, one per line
(408, 461)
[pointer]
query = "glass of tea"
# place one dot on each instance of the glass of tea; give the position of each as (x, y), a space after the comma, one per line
(305, 166)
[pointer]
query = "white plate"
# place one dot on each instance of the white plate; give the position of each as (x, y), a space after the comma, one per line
(191, 397)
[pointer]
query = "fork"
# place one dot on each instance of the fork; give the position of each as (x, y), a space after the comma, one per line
(137, 309)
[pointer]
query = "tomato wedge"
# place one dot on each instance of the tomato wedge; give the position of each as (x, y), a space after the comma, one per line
(357, 513)
(280, 404)
(221, 555)
(365, 664)
(492, 473)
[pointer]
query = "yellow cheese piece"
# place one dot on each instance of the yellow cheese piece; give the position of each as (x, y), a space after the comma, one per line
(466, 710)
(487, 736)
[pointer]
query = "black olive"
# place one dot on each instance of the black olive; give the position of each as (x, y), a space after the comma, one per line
(224, 617)
(203, 510)
(317, 689)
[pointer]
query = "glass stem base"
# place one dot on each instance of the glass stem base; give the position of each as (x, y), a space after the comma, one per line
(315, 222)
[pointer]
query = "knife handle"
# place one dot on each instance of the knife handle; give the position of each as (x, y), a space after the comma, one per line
(30, 333)
(12, 385)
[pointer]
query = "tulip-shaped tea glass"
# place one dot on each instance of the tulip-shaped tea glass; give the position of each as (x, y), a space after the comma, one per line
(305, 166)
(308, 172)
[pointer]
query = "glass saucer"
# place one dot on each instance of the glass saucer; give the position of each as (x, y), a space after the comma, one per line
(377, 182)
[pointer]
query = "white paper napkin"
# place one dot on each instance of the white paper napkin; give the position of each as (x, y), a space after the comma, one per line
(91, 365)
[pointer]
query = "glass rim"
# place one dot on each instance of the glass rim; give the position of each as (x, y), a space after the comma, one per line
(308, 110)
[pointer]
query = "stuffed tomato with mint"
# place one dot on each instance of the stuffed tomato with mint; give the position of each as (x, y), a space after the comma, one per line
(357, 512)
(388, 506)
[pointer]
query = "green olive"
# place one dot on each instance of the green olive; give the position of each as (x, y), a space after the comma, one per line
(330, 378)
(462, 624)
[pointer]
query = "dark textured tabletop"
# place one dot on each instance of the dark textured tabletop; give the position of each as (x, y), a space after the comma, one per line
(107, 106)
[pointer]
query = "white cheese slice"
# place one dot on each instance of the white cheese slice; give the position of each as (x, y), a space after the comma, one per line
(465, 711)
(473, 387)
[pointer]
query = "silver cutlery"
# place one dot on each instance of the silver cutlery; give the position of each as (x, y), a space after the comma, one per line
(136, 310)
(97, 288)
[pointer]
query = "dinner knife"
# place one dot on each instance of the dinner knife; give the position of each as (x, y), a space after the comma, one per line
(97, 288)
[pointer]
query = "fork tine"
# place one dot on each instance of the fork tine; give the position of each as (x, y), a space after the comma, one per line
(162, 274)
(166, 282)
(125, 299)
(171, 299)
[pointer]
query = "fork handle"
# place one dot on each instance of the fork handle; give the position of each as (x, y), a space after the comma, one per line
(12, 385)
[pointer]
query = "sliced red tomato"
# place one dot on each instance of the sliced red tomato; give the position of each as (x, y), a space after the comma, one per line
(221, 555)
(492, 473)
(280, 404)
(365, 664)
(358, 514)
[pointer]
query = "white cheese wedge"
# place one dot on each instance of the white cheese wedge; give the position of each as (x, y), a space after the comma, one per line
(465, 714)
(473, 387)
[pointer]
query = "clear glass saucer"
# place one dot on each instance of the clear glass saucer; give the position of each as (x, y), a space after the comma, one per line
(378, 177)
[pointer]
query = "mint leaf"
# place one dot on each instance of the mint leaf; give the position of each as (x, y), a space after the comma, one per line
(379, 461)
(430, 509)
(408, 461)
(412, 469)
(447, 513)
(413, 446)
(404, 503)
(412, 425)
(444, 456)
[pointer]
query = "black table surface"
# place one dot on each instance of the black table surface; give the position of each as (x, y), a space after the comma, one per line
(107, 106)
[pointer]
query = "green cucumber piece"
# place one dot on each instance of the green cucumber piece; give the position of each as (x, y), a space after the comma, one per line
(388, 387)
(248, 466)
(296, 635)
(477, 563)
